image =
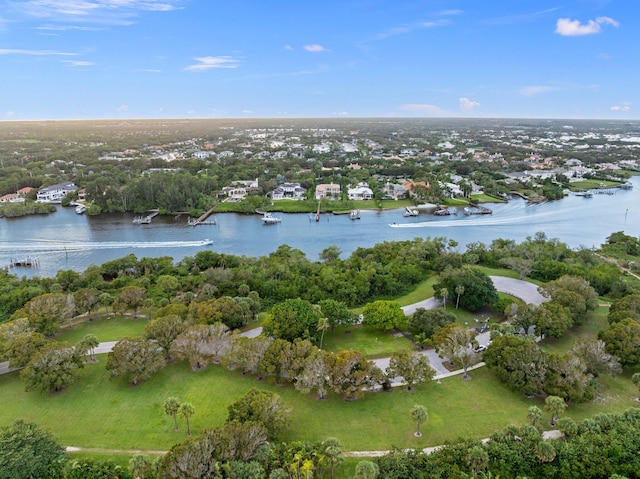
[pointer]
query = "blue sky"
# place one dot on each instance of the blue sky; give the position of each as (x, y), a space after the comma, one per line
(71, 59)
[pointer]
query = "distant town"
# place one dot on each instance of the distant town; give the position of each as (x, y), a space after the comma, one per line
(190, 165)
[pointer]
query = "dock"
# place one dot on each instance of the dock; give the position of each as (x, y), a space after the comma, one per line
(203, 218)
(28, 262)
(475, 209)
(145, 220)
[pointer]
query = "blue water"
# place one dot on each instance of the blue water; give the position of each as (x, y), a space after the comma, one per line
(66, 240)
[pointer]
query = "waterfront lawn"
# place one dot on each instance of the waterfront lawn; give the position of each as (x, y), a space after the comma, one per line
(591, 184)
(595, 322)
(99, 413)
(371, 342)
(106, 329)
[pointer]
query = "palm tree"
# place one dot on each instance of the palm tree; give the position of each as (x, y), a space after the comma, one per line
(534, 414)
(556, 406)
(419, 415)
(323, 325)
(444, 293)
(636, 380)
(459, 292)
(186, 410)
(171, 407)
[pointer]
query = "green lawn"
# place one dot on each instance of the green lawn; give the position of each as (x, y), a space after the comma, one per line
(111, 329)
(99, 413)
(371, 342)
(595, 322)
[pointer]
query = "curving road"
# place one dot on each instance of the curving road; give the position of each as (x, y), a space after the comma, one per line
(524, 290)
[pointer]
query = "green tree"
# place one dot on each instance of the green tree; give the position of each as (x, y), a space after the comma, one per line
(418, 415)
(336, 312)
(131, 297)
(164, 331)
(426, 321)
(332, 454)
(141, 467)
(86, 299)
(555, 406)
(171, 406)
(625, 307)
(168, 284)
(52, 369)
(137, 359)
(185, 411)
(636, 380)
(459, 289)
(383, 314)
(478, 287)
(534, 414)
(87, 347)
(47, 311)
(26, 451)
(23, 348)
(412, 366)
(622, 339)
(291, 319)
(350, 373)
(89, 468)
(366, 470)
(459, 345)
(518, 362)
(261, 407)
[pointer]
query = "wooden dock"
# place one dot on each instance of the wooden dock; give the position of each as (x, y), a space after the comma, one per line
(203, 218)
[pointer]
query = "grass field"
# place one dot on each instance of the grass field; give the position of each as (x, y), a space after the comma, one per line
(104, 414)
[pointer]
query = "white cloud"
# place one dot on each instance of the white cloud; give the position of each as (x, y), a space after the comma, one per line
(207, 63)
(423, 108)
(467, 106)
(340, 113)
(123, 108)
(315, 48)
(248, 112)
(17, 51)
(410, 27)
(96, 11)
(73, 63)
(535, 90)
(572, 28)
(623, 107)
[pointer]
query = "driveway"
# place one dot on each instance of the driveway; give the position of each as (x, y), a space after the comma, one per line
(527, 292)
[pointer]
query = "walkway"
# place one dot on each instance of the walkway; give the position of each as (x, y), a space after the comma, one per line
(521, 289)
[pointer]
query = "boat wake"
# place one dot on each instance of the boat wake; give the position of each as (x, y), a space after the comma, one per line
(52, 246)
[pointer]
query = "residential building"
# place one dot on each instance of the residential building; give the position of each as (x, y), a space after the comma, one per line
(289, 191)
(328, 191)
(55, 193)
(360, 192)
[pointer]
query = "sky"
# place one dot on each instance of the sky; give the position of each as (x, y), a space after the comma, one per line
(112, 59)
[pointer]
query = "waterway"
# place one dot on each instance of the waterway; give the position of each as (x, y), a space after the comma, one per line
(66, 240)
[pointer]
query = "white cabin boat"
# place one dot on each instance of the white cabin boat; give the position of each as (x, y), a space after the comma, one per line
(354, 215)
(269, 219)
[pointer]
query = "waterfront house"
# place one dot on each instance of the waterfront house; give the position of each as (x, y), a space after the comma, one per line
(328, 191)
(360, 192)
(12, 198)
(394, 191)
(55, 193)
(289, 191)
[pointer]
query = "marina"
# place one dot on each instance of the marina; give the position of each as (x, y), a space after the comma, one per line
(65, 240)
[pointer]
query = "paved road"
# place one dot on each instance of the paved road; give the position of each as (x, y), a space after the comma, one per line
(528, 292)
(521, 289)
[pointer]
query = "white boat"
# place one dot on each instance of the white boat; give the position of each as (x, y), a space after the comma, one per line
(80, 209)
(206, 242)
(354, 215)
(269, 219)
(410, 212)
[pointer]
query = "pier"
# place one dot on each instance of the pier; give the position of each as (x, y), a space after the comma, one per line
(28, 262)
(203, 218)
(145, 220)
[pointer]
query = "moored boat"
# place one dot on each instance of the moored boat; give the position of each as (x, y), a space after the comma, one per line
(269, 219)
(354, 215)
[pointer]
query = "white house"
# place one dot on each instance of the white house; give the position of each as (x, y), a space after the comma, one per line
(55, 193)
(360, 192)
(288, 190)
